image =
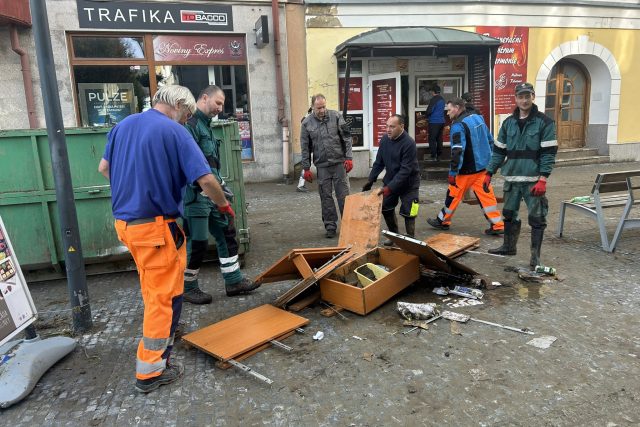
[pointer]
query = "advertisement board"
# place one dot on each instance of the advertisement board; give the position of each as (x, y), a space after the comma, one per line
(105, 104)
(384, 106)
(229, 48)
(355, 93)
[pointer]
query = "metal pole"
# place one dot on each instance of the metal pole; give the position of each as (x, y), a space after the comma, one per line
(347, 76)
(76, 277)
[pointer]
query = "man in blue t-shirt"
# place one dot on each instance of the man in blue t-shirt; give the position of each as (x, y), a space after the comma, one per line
(149, 159)
(435, 116)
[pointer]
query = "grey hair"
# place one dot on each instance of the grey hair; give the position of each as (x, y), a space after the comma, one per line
(173, 95)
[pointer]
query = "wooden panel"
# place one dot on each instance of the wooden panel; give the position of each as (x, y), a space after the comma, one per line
(302, 266)
(452, 245)
(241, 333)
(398, 279)
(360, 224)
(343, 295)
(226, 365)
(285, 269)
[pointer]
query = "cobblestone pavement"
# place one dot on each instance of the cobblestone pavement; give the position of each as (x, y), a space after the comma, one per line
(484, 376)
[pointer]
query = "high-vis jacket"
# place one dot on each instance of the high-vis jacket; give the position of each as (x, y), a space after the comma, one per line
(530, 152)
(328, 139)
(471, 144)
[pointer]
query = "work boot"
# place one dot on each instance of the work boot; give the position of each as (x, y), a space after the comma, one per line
(392, 224)
(410, 226)
(244, 286)
(436, 223)
(511, 234)
(493, 232)
(197, 296)
(536, 245)
(302, 189)
(171, 373)
(330, 234)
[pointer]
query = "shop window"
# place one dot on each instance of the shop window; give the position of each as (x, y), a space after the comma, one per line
(356, 67)
(108, 94)
(108, 47)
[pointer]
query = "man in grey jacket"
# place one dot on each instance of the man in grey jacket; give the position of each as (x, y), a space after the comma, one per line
(326, 135)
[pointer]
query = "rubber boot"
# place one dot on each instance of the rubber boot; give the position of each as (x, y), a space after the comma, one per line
(511, 234)
(410, 226)
(392, 224)
(536, 245)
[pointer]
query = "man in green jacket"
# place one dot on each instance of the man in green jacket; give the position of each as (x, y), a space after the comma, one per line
(528, 141)
(200, 214)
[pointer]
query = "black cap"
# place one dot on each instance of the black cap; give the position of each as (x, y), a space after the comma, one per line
(466, 97)
(436, 89)
(525, 87)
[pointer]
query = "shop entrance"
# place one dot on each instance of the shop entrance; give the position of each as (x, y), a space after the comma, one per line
(566, 101)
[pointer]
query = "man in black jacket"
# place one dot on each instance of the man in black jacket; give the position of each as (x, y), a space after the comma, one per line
(397, 154)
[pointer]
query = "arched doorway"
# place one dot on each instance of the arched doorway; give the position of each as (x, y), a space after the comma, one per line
(567, 102)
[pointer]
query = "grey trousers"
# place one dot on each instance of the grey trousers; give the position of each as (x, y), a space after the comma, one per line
(330, 178)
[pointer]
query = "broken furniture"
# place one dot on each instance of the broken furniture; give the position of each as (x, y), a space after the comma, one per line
(452, 245)
(245, 334)
(619, 190)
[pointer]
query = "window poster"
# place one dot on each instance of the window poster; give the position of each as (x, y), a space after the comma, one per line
(17, 310)
(244, 127)
(355, 93)
(384, 106)
(357, 129)
(105, 104)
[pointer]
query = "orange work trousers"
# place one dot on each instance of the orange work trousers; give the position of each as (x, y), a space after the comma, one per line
(161, 265)
(488, 202)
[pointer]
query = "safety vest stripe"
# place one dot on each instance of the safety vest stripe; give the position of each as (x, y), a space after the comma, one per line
(521, 178)
(145, 368)
(230, 269)
(495, 220)
(489, 209)
(441, 215)
(499, 144)
(229, 260)
(155, 344)
(553, 142)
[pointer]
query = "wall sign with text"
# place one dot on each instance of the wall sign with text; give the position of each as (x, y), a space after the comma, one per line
(105, 104)
(117, 15)
(510, 64)
(227, 47)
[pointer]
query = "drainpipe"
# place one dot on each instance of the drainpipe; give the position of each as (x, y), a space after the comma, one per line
(26, 76)
(282, 119)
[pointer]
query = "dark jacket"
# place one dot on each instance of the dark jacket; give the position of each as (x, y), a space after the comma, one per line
(328, 139)
(399, 157)
(435, 110)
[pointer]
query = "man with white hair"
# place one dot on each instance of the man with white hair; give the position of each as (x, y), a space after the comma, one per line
(149, 159)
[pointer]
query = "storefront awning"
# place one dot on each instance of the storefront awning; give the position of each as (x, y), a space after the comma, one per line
(414, 41)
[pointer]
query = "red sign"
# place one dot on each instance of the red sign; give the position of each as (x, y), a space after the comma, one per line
(197, 48)
(384, 106)
(355, 93)
(511, 63)
(479, 80)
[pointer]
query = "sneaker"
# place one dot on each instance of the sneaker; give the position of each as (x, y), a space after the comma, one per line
(493, 232)
(197, 296)
(302, 189)
(436, 223)
(330, 234)
(171, 373)
(244, 286)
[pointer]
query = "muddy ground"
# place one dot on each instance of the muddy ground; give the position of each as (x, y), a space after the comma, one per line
(479, 376)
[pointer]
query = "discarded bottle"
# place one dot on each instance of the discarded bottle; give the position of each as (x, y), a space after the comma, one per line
(550, 271)
(467, 292)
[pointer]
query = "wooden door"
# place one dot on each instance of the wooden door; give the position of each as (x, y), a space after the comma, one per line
(567, 101)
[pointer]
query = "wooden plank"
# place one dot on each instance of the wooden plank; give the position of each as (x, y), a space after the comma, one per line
(360, 224)
(302, 266)
(285, 268)
(305, 302)
(452, 245)
(225, 365)
(241, 333)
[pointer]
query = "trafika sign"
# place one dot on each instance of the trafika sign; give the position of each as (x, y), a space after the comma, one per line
(154, 16)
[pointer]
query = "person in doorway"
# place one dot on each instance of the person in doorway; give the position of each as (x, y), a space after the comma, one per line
(201, 217)
(326, 135)
(471, 144)
(527, 140)
(398, 155)
(435, 116)
(149, 158)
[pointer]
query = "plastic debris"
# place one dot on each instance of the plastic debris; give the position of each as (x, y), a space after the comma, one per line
(467, 292)
(464, 302)
(358, 338)
(441, 291)
(412, 311)
(542, 342)
(318, 335)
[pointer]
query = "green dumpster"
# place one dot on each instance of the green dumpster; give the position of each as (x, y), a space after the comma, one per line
(28, 201)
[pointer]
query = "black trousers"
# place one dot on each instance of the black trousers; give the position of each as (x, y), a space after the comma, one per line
(435, 138)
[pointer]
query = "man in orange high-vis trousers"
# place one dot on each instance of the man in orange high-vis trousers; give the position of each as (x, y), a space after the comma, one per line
(471, 147)
(149, 159)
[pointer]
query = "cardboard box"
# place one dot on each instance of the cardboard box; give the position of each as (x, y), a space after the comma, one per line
(404, 270)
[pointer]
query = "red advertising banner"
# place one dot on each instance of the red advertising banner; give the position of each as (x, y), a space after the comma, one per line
(511, 63)
(355, 93)
(221, 47)
(479, 80)
(384, 106)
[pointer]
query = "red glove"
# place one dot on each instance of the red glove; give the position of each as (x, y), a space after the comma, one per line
(385, 191)
(540, 188)
(452, 180)
(348, 165)
(227, 210)
(308, 176)
(486, 183)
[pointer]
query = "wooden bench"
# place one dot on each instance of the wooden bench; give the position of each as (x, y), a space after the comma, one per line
(614, 189)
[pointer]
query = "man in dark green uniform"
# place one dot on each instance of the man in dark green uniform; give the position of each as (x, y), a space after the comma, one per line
(200, 214)
(527, 139)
